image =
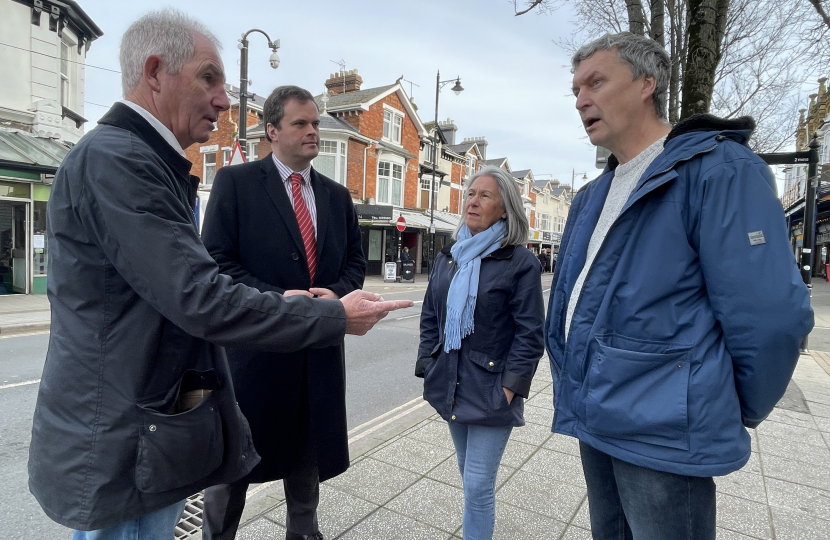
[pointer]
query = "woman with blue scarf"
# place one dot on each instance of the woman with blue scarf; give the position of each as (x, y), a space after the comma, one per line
(481, 336)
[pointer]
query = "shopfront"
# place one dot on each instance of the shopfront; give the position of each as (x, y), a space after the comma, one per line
(27, 167)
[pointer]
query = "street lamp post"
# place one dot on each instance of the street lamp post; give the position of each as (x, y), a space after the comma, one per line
(243, 84)
(457, 88)
(573, 176)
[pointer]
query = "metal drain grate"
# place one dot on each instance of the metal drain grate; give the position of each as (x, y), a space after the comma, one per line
(190, 526)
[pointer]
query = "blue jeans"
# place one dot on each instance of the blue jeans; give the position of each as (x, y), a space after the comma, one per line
(636, 503)
(158, 525)
(479, 450)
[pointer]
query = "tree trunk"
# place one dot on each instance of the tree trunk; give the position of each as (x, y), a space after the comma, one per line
(707, 20)
(658, 24)
(636, 19)
(675, 46)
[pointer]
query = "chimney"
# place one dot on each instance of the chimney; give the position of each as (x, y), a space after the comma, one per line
(448, 128)
(481, 142)
(344, 82)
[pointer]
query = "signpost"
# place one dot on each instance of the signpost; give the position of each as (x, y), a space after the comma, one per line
(401, 224)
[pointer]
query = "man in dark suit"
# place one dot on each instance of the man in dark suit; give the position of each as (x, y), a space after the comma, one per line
(278, 225)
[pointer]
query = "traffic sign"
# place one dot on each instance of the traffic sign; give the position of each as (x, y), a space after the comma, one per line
(401, 224)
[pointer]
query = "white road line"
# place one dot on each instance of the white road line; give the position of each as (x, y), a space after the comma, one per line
(407, 317)
(24, 383)
(384, 415)
(253, 491)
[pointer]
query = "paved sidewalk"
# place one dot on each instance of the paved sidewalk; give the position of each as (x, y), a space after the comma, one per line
(408, 487)
(24, 313)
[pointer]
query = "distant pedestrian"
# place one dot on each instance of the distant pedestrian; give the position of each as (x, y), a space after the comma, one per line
(405, 254)
(677, 312)
(481, 337)
(543, 260)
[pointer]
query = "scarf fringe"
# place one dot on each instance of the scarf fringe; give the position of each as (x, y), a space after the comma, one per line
(459, 325)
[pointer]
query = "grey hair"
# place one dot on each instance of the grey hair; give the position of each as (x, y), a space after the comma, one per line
(645, 57)
(274, 108)
(517, 226)
(168, 34)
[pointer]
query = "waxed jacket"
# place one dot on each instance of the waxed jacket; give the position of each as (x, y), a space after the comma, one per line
(138, 306)
(690, 318)
(465, 385)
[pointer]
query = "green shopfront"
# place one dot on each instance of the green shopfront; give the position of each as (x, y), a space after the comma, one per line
(27, 166)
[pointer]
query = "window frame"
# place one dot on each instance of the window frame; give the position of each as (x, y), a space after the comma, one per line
(389, 181)
(340, 155)
(392, 120)
(205, 166)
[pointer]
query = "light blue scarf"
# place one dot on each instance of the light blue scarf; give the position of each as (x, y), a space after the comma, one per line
(461, 298)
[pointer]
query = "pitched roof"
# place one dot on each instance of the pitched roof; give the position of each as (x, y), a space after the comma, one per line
(352, 98)
(254, 100)
(520, 174)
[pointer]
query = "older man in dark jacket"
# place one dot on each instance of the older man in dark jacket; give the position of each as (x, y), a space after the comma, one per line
(136, 410)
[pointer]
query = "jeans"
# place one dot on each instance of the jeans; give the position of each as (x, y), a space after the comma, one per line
(636, 503)
(158, 525)
(479, 450)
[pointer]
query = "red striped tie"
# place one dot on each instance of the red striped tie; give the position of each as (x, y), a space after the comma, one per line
(306, 226)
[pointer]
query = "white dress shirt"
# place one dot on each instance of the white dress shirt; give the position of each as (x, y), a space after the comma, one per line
(305, 185)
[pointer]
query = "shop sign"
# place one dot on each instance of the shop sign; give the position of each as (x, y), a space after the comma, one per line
(546, 237)
(207, 149)
(375, 212)
(390, 272)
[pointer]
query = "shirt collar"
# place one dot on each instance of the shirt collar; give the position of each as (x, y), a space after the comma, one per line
(161, 128)
(286, 171)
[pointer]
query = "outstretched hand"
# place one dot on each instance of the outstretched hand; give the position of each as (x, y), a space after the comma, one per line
(365, 309)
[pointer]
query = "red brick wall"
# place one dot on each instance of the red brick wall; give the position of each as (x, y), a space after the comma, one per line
(354, 168)
(224, 136)
(455, 178)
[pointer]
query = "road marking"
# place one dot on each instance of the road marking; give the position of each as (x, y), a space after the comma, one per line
(253, 491)
(388, 421)
(24, 383)
(407, 317)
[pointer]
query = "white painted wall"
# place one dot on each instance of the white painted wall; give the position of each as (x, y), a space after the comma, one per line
(31, 75)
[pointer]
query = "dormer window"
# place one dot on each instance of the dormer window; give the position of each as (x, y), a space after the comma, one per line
(392, 125)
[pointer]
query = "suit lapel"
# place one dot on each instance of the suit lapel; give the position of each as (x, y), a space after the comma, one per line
(275, 188)
(321, 201)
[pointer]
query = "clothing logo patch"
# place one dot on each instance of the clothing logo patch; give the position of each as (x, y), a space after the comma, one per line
(757, 238)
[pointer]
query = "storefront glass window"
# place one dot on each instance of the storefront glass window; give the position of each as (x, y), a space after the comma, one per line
(14, 189)
(39, 245)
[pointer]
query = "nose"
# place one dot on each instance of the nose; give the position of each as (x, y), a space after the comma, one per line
(221, 100)
(582, 101)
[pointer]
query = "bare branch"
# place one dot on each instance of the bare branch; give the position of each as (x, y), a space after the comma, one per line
(531, 4)
(820, 10)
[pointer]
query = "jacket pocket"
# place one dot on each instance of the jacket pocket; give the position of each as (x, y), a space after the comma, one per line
(176, 450)
(639, 396)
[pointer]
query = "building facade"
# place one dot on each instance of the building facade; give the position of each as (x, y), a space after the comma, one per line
(42, 57)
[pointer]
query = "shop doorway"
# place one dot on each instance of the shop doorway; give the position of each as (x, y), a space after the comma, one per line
(14, 236)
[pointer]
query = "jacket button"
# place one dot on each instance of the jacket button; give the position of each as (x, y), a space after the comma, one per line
(449, 262)
(152, 427)
(243, 456)
(679, 366)
(453, 417)
(492, 363)
(458, 383)
(295, 256)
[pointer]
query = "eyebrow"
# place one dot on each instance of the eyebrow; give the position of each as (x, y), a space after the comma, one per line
(219, 72)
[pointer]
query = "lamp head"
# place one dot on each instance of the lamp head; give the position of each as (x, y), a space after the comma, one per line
(457, 88)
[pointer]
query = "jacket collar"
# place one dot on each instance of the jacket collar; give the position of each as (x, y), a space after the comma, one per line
(121, 116)
(502, 253)
(705, 127)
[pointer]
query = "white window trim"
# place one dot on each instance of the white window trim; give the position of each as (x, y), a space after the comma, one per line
(205, 166)
(394, 112)
(392, 159)
(344, 141)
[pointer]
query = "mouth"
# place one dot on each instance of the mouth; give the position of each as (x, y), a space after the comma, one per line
(589, 121)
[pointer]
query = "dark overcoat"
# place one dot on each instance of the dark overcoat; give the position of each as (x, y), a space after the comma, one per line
(465, 385)
(291, 399)
(137, 308)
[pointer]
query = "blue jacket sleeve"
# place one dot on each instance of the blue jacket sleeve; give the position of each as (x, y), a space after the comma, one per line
(527, 309)
(753, 285)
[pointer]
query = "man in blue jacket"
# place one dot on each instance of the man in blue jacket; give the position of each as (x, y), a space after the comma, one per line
(677, 309)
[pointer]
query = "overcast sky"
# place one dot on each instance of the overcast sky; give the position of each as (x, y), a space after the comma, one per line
(516, 80)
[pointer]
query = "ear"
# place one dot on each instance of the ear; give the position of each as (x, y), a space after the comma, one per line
(649, 86)
(153, 68)
(273, 133)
